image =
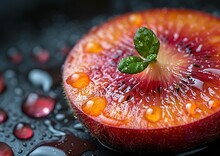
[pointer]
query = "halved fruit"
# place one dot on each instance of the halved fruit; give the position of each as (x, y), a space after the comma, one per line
(172, 106)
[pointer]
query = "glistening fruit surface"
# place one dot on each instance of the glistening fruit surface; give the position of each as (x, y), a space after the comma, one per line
(180, 88)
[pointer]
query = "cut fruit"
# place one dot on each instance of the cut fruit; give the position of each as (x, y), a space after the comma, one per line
(172, 106)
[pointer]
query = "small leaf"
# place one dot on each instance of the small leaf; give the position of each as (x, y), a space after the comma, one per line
(146, 42)
(151, 57)
(132, 65)
(147, 45)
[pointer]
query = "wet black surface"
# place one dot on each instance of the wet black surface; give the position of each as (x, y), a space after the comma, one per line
(36, 37)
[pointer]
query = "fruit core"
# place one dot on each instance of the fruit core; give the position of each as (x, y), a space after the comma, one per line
(165, 69)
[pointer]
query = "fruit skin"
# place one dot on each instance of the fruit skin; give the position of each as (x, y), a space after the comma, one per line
(170, 139)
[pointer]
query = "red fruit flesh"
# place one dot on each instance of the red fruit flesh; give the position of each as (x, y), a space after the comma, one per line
(171, 106)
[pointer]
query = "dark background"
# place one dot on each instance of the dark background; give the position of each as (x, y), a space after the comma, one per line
(53, 25)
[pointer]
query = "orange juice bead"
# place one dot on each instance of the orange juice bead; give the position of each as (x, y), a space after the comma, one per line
(153, 114)
(213, 103)
(78, 80)
(94, 106)
(190, 108)
(93, 47)
(135, 19)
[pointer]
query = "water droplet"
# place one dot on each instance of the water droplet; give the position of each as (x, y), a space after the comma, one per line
(14, 55)
(2, 84)
(5, 150)
(47, 151)
(12, 140)
(23, 131)
(40, 78)
(20, 151)
(52, 129)
(18, 91)
(10, 74)
(64, 48)
(24, 144)
(68, 145)
(40, 54)
(60, 116)
(3, 116)
(79, 126)
(38, 106)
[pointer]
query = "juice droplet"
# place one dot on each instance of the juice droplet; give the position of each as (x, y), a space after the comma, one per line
(2, 84)
(153, 114)
(40, 54)
(78, 80)
(5, 150)
(68, 145)
(23, 131)
(3, 116)
(213, 103)
(38, 106)
(40, 78)
(14, 55)
(135, 19)
(95, 106)
(190, 108)
(93, 47)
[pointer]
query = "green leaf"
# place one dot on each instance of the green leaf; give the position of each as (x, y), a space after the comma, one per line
(147, 45)
(146, 42)
(151, 57)
(132, 65)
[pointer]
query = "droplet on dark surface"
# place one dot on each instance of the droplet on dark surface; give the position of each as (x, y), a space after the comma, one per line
(14, 55)
(2, 84)
(40, 78)
(69, 144)
(10, 74)
(60, 116)
(5, 150)
(52, 129)
(38, 106)
(18, 91)
(23, 131)
(40, 54)
(79, 126)
(64, 48)
(3, 116)
(47, 151)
